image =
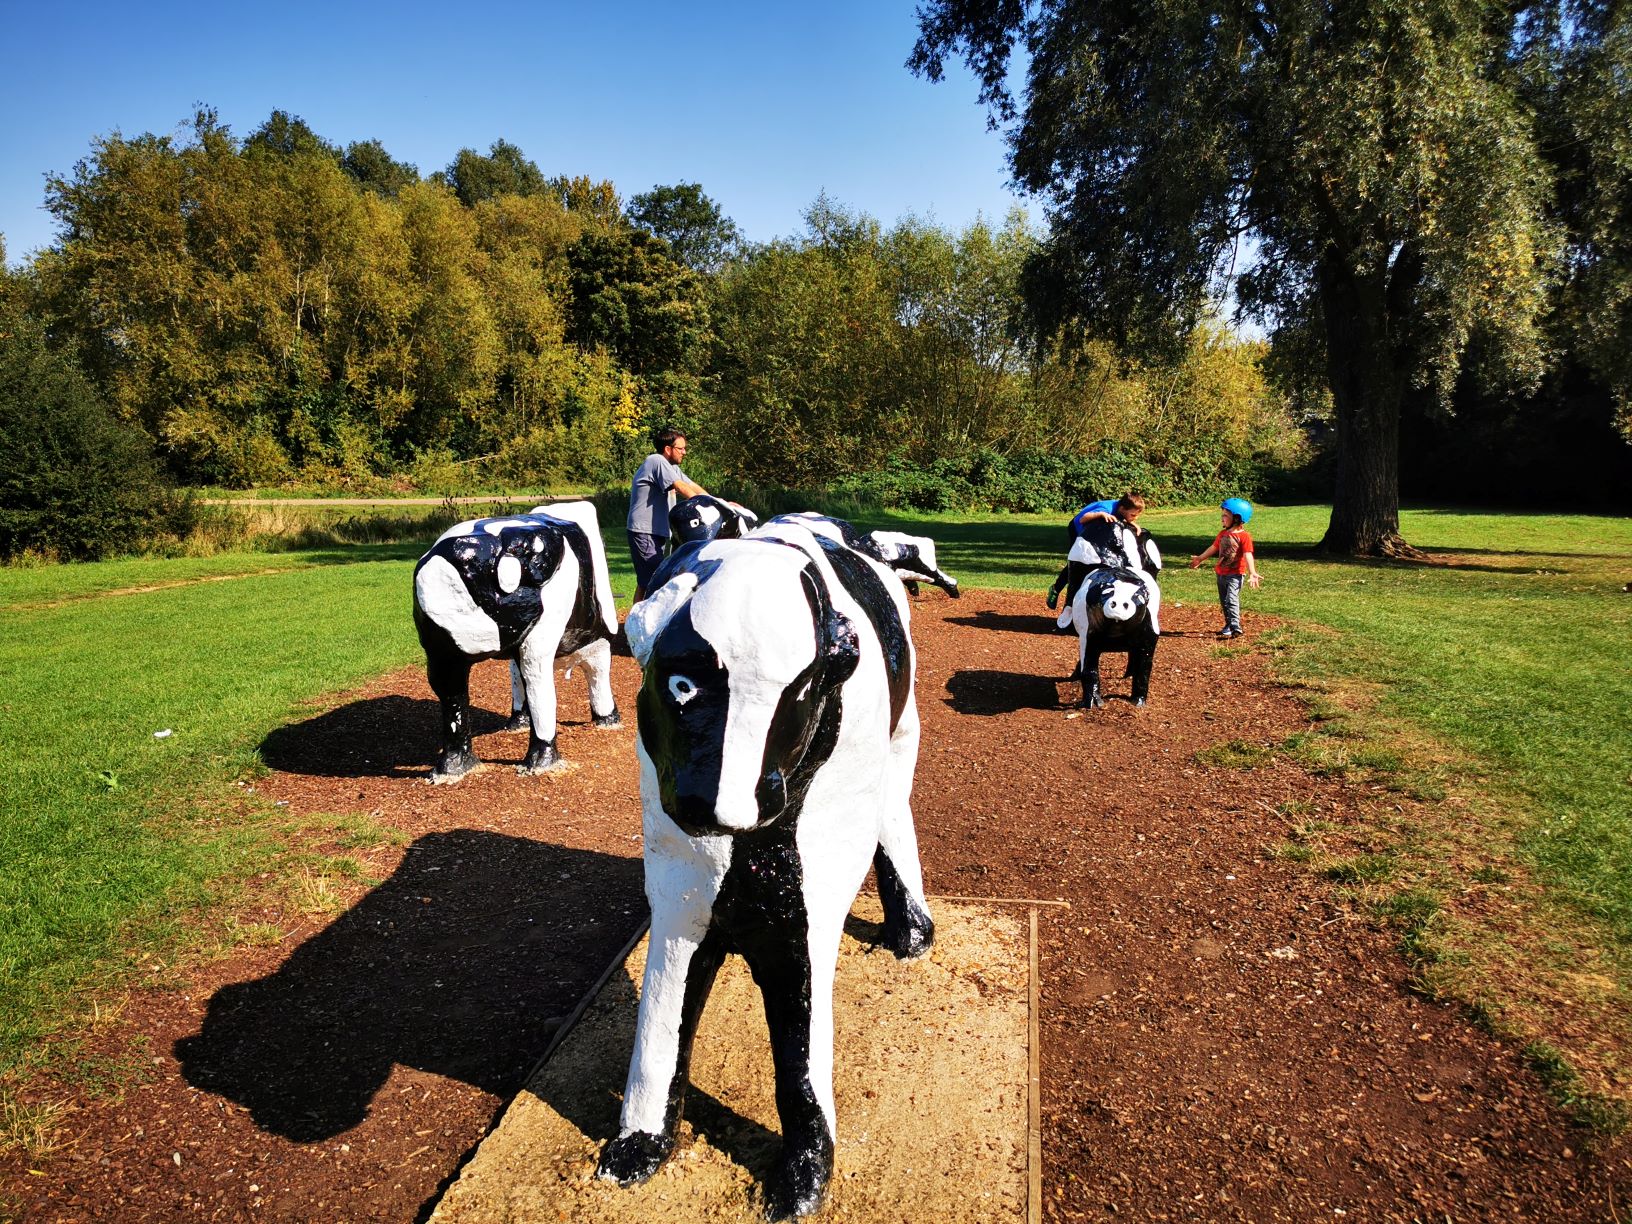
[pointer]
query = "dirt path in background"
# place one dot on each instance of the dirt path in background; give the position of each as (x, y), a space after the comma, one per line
(1220, 1039)
(514, 499)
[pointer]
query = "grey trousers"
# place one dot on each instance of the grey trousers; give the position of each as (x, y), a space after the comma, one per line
(1229, 598)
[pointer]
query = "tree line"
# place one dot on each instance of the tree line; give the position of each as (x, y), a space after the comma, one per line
(280, 308)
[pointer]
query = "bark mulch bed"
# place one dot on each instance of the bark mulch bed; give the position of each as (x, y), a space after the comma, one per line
(1221, 1040)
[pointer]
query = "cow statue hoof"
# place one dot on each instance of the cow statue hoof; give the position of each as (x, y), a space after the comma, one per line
(607, 722)
(541, 758)
(1139, 703)
(519, 722)
(910, 939)
(630, 1159)
(451, 766)
(799, 1184)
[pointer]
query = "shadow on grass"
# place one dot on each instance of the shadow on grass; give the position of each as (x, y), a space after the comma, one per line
(1434, 560)
(378, 737)
(462, 964)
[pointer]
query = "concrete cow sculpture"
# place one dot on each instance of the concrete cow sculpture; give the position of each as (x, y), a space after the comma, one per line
(1114, 603)
(702, 518)
(911, 557)
(778, 738)
(531, 588)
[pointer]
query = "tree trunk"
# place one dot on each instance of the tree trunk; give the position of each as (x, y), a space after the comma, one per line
(1367, 376)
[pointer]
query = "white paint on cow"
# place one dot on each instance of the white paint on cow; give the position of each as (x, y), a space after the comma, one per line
(508, 574)
(583, 513)
(895, 544)
(438, 585)
(683, 876)
(648, 617)
(764, 644)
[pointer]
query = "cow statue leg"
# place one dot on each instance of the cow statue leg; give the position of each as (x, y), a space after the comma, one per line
(1092, 698)
(683, 877)
(518, 701)
(537, 660)
(796, 982)
(449, 677)
(908, 928)
(1141, 657)
(680, 971)
(596, 660)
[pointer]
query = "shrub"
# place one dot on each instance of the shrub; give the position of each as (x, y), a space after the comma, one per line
(74, 482)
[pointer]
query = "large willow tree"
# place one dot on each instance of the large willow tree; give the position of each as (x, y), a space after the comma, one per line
(1380, 161)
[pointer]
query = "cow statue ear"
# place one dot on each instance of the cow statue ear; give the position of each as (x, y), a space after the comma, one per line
(648, 618)
(838, 649)
(841, 649)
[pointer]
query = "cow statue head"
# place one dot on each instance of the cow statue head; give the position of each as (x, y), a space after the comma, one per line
(706, 517)
(1119, 593)
(741, 655)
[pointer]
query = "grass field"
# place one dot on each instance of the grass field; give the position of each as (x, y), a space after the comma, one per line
(1513, 654)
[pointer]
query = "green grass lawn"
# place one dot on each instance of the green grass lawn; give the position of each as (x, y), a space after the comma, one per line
(1516, 653)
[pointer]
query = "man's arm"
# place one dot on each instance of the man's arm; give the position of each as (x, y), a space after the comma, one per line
(687, 488)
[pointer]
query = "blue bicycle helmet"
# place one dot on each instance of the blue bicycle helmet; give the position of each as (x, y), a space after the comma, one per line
(1238, 506)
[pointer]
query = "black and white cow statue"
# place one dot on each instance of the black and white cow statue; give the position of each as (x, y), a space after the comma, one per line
(699, 519)
(778, 734)
(911, 557)
(1114, 603)
(531, 588)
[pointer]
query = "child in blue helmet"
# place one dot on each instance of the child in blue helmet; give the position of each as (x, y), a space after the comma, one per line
(1233, 548)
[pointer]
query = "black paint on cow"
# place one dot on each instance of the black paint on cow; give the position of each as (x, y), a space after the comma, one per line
(864, 586)
(684, 742)
(1136, 635)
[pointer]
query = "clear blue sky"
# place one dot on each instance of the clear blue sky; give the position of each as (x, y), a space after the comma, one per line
(765, 104)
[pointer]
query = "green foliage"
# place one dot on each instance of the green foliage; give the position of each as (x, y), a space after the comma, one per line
(1029, 482)
(1385, 158)
(75, 483)
(630, 298)
(886, 364)
(368, 162)
(698, 233)
(505, 170)
(275, 311)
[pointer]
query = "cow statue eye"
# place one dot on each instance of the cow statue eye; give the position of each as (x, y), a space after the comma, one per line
(682, 689)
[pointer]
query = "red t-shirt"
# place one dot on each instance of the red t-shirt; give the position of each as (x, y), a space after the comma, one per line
(1233, 546)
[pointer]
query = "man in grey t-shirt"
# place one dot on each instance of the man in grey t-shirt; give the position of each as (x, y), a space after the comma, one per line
(649, 492)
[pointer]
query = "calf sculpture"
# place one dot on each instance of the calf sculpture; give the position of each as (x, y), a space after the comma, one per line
(911, 557)
(531, 588)
(778, 734)
(1114, 603)
(702, 518)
